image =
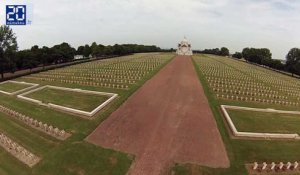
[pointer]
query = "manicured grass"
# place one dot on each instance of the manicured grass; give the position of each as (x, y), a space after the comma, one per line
(12, 87)
(188, 169)
(241, 151)
(84, 158)
(247, 121)
(76, 100)
(73, 156)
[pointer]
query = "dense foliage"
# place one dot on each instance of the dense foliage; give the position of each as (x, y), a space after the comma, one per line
(8, 48)
(216, 51)
(237, 55)
(262, 56)
(256, 55)
(293, 61)
(100, 50)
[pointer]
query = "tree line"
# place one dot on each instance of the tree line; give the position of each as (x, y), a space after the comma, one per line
(11, 59)
(223, 51)
(262, 56)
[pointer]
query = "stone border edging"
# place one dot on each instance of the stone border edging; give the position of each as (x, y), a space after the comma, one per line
(33, 85)
(67, 109)
(254, 134)
(38, 125)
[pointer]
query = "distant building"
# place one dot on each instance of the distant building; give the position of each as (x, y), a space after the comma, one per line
(184, 48)
(78, 57)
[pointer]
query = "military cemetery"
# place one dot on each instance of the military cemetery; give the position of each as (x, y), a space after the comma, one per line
(150, 87)
(56, 108)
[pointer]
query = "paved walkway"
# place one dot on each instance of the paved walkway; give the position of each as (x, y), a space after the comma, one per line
(167, 120)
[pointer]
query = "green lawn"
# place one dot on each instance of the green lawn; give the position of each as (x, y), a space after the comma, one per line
(12, 87)
(76, 100)
(73, 156)
(241, 151)
(249, 121)
(84, 158)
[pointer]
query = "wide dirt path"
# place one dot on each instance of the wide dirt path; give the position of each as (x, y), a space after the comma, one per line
(167, 120)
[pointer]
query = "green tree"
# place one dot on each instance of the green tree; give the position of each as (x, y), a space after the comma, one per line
(293, 61)
(8, 48)
(215, 51)
(64, 52)
(256, 55)
(87, 50)
(80, 50)
(237, 55)
(224, 51)
(94, 48)
(108, 50)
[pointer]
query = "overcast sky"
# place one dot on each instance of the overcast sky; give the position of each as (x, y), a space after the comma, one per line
(236, 24)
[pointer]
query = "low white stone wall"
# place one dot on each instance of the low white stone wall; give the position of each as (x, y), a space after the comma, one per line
(32, 85)
(67, 109)
(43, 127)
(255, 134)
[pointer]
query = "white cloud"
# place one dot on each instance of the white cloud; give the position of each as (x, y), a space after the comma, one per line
(236, 24)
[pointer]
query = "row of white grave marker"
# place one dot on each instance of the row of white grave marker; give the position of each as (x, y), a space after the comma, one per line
(249, 99)
(96, 73)
(248, 87)
(235, 83)
(18, 151)
(264, 75)
(88, 77)
(117, 73)
(48, 129)
(273, 166)
(254, 94)
(123, 63)
(228, 76)
(248, 90)
(88, 83)
(75, 78)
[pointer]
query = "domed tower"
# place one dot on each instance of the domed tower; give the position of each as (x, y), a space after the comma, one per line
(184, 48)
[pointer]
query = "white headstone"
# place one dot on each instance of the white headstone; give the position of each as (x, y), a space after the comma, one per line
(288, 165)
(264, 166)
(273, 166)
(255, 165)
(296, 165)
(281, 165)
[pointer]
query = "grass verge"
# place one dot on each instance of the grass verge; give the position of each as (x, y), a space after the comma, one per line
(12, 87)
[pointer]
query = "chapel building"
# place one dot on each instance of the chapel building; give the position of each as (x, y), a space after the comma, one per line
(184, 48)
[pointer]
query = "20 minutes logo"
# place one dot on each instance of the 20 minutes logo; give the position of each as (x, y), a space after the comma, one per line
(16, 15)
